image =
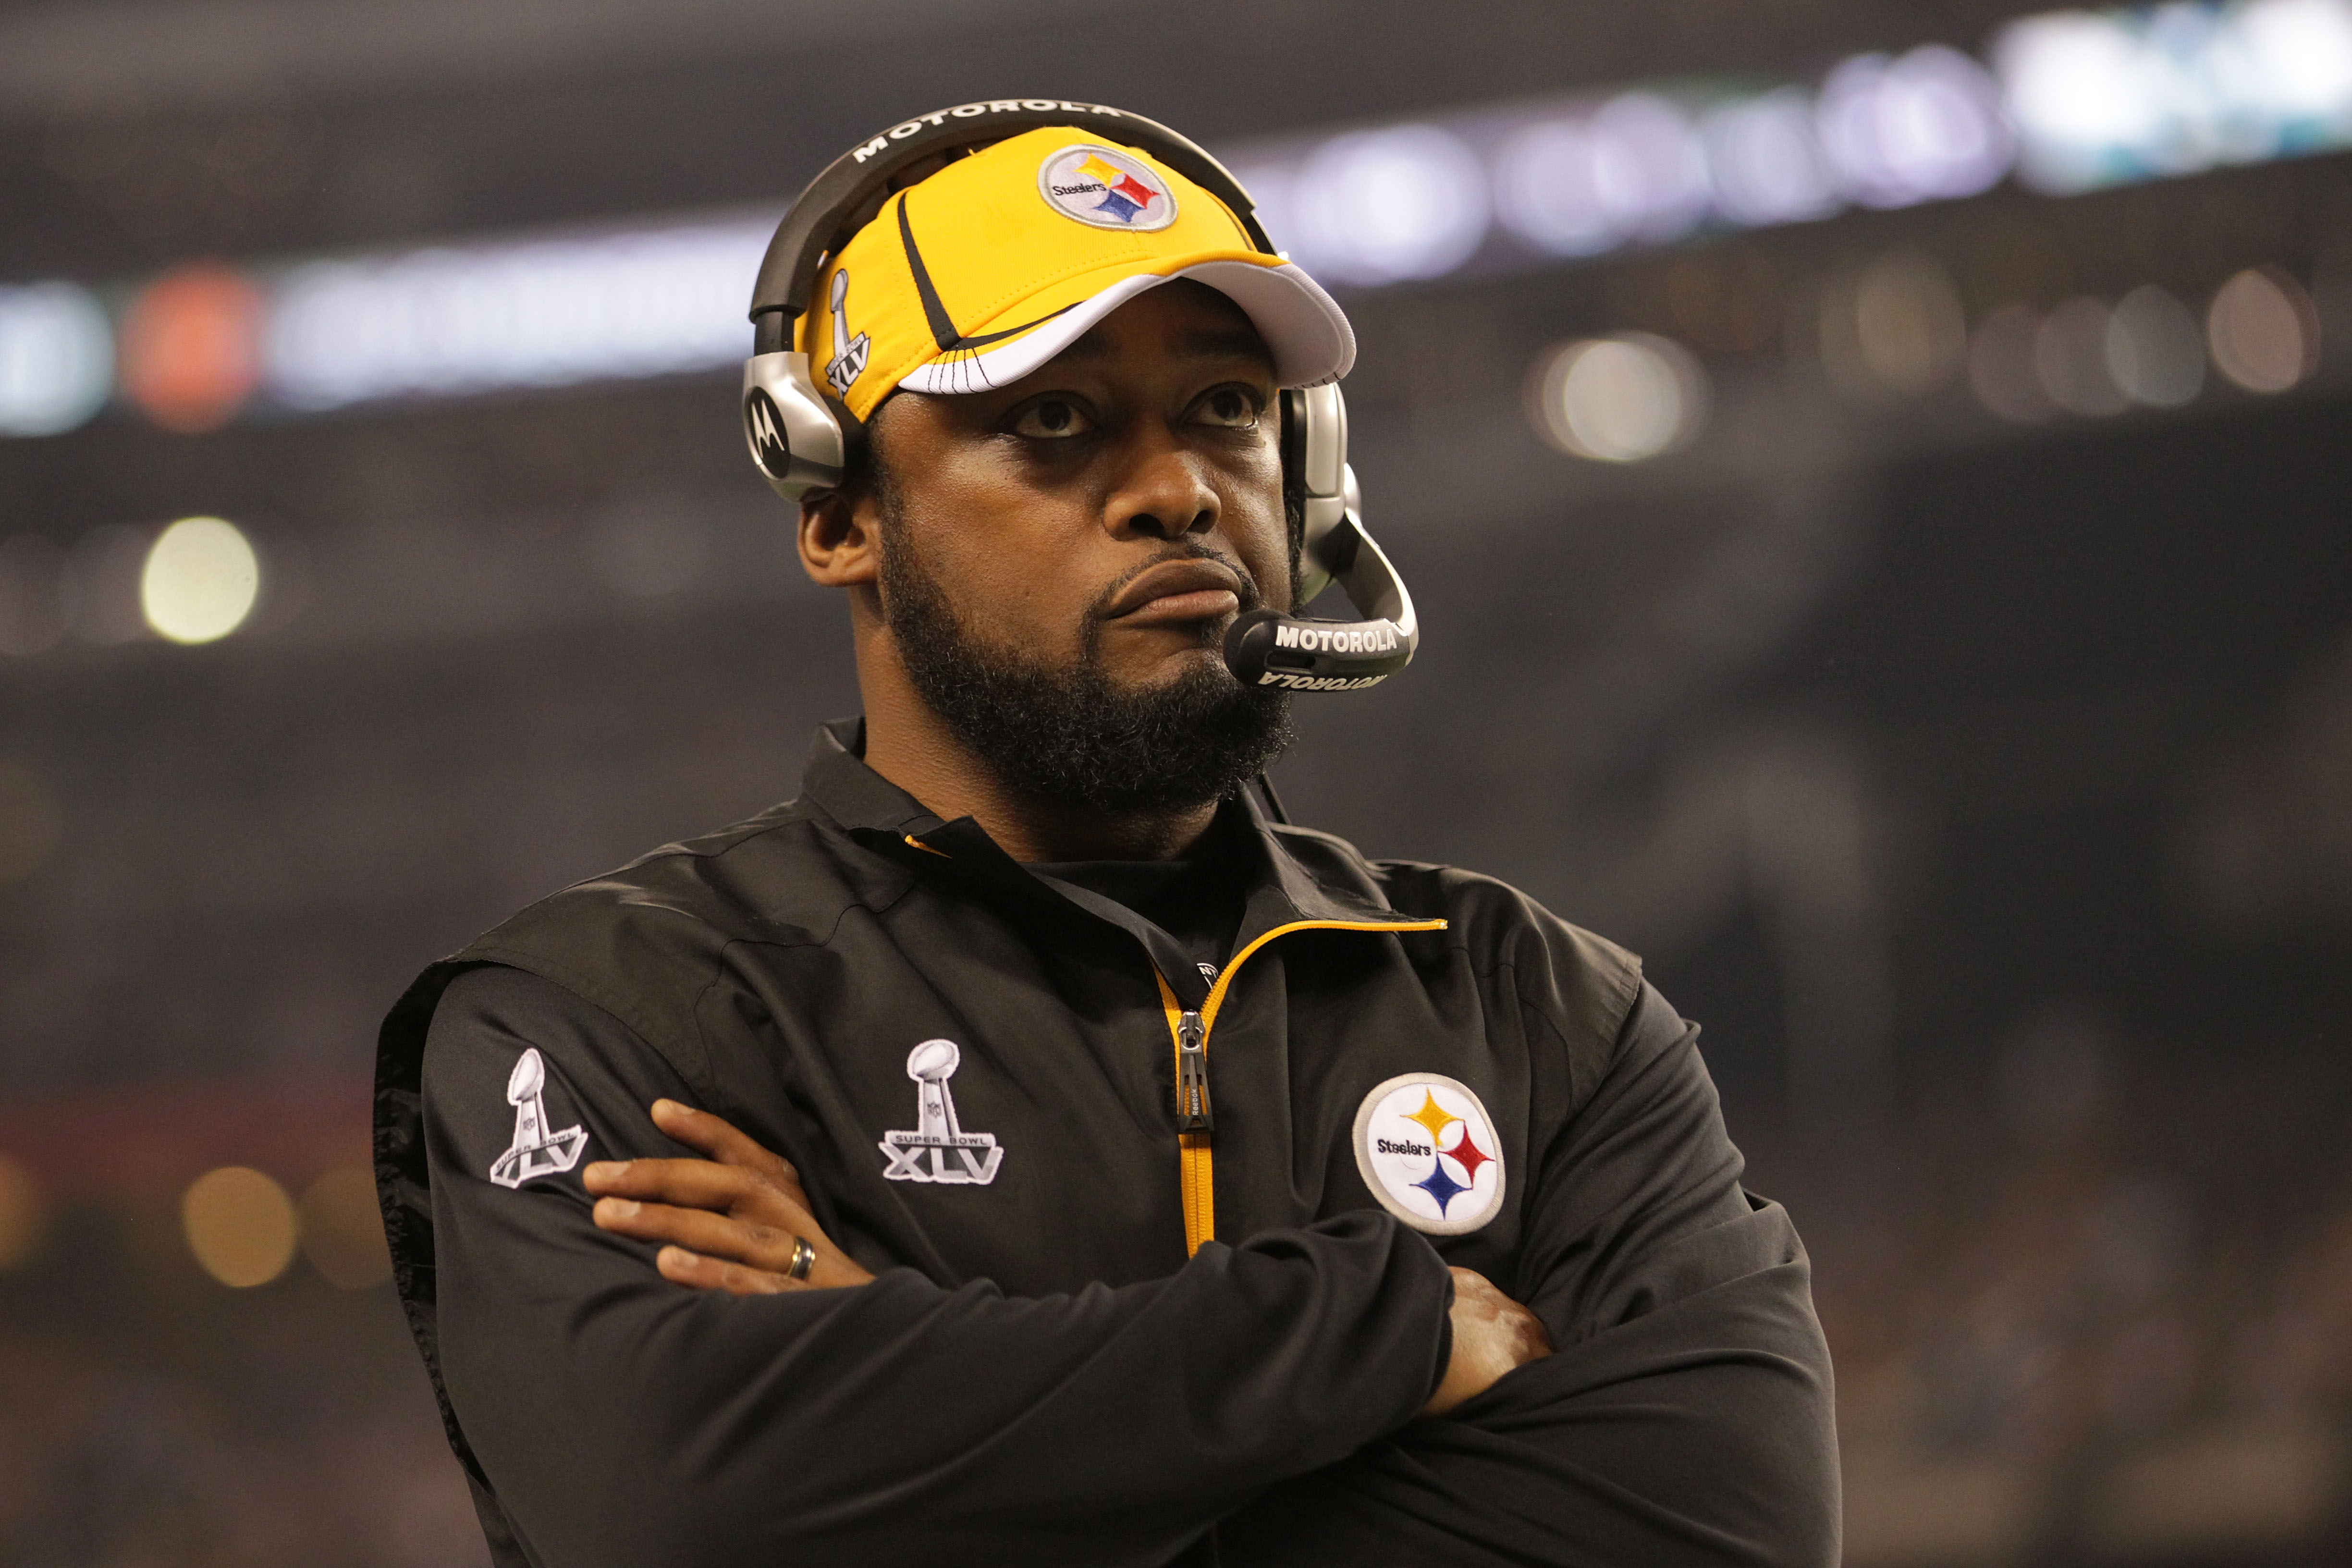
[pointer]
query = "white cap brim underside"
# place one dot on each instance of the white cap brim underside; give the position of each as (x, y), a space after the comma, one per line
(1303, 327)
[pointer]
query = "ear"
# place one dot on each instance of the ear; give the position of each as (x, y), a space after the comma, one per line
(837, 537)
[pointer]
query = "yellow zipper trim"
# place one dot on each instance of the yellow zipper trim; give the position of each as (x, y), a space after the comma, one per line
(1196, 1167)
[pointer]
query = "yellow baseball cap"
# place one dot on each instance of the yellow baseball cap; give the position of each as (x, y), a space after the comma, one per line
(974, 277)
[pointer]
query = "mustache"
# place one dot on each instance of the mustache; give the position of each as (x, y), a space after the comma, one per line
(1182, 550)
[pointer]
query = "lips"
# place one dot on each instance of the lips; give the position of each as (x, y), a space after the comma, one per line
(1188, 590)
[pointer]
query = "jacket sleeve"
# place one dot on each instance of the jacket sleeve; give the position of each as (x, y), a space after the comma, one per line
(1685, 1417)
(625, 1421)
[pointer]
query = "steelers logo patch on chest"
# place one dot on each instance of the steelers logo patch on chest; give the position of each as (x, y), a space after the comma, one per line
(1427, 1149)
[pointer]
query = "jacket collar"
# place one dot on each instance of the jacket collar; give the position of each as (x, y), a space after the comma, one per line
(1282, 889)
(837, 780)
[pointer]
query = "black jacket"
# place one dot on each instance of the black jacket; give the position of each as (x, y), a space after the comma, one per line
(1045, 1370)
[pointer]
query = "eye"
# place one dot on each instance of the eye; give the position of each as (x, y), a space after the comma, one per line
(1052, 418)
(1235, 407)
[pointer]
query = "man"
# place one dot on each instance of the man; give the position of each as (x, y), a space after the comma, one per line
(1017, 1149)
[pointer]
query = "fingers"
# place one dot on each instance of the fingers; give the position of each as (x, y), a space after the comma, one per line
(686, 1267)
(1534, 1340)
(720, 1139)
(1470, 1282)
(696, 1183)
(713, 1235)
(1516, 1329)
(742, 1207)
(764, 1239)
(1493, 1335)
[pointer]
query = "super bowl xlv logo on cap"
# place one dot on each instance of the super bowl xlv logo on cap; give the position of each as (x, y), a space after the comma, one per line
(1106, 188)
(849, 354)
(1427, 1149)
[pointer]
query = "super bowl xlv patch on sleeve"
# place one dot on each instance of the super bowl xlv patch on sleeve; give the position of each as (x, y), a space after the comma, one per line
(1427, 1149)
(535, 1152)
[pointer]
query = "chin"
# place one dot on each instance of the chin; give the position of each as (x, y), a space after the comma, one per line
(1184, 666)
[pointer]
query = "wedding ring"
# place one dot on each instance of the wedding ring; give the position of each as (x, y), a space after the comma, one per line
(803, 1259)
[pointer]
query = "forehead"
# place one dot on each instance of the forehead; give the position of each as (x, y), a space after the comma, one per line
(1173, 322)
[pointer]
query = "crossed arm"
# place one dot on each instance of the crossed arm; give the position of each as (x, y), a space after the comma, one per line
(1269, 1389)
(730, 1222)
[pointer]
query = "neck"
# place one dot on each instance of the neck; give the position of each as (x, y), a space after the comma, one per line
(909, 743)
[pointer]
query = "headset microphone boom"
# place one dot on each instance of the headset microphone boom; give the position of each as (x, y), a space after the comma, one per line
(805, 437)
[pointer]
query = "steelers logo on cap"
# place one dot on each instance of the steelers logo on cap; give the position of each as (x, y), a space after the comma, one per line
(1427, 1149)
(1106, 188)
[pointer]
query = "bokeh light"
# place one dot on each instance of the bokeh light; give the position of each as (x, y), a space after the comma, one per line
(1618, 400)
(2301, 55)
(2083, 95)
(343, 1230)
(1649, 167)
(200, 580)
(1633, 169)
(2100, 99)
(457, 320)
(240, 1224)
(192, 347)
(2070, 356)
(31, 824)
(24, 1215)
(1765, 159)
(1547, 189)
(2263, 330)
(1909, 333)
(1925, 127)
(56, 358)
(1381, 206)
(2155, 352)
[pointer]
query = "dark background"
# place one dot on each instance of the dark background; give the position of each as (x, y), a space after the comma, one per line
(1985, 790)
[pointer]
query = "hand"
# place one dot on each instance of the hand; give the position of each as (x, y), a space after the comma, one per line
(1492, 1335)
(729, 1221)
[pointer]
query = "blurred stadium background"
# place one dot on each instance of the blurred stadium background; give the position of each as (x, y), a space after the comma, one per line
(1876, 478)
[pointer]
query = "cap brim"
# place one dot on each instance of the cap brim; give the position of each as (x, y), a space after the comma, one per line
(1303, 328)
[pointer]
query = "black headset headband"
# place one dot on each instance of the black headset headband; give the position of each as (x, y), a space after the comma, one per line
(844, 198)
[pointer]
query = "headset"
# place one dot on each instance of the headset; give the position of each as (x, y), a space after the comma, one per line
(803, 438)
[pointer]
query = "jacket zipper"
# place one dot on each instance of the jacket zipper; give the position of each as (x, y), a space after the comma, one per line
(1192, 1114)
(1195, 1121)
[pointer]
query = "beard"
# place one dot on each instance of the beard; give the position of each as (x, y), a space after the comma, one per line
(1068, 733)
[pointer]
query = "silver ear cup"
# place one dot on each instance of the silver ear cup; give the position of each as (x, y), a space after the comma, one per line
(794, 437)
(1323, 467)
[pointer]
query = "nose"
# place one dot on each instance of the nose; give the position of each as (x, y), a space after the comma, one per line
(1159, 491)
